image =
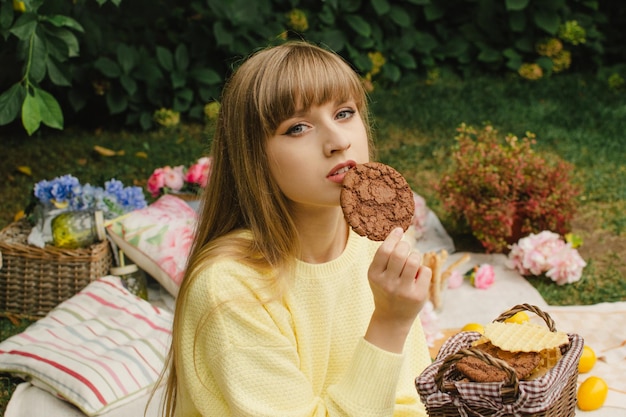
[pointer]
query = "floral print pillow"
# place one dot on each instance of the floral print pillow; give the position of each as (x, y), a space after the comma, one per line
(158, 239)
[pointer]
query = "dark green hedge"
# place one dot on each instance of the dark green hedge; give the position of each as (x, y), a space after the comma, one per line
(119, 61)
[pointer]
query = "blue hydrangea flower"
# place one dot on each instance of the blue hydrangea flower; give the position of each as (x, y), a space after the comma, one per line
(113, 200)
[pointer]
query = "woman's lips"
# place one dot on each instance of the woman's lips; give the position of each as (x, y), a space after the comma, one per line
(339, 172)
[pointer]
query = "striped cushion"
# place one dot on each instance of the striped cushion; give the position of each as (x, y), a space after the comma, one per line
(98, 350)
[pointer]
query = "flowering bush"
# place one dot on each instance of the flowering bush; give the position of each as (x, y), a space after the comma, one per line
(504, 190)
(66, 192)
(546, 253)
(180, 179)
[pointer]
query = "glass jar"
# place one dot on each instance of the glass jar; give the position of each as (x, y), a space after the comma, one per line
(77, 229)
(133, 279)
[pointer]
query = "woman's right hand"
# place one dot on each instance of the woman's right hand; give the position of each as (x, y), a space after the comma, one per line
(400, 285)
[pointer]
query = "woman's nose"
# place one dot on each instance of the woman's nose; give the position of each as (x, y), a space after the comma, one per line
(336, 141)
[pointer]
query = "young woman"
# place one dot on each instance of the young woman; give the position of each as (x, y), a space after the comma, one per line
(284, 311)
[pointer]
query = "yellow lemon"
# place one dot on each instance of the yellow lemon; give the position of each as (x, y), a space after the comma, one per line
(587, 360)
(592, 393)
(519, 318)
(473, 327)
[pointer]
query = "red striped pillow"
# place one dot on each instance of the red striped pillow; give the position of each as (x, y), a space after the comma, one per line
(98, 350)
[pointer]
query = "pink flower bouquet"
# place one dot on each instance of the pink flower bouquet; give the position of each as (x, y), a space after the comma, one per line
(180, 179)
(546, 253)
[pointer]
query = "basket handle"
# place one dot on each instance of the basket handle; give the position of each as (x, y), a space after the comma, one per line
(533, 309)
(511, 386)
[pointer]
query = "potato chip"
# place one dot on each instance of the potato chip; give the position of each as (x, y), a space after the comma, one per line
(524, 337)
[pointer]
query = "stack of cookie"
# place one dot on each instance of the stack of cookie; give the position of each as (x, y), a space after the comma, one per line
(531, 350)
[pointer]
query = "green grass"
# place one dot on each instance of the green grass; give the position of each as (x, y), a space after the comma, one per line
(575, 116)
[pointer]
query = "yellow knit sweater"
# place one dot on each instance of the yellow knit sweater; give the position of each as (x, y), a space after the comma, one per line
(301, 356)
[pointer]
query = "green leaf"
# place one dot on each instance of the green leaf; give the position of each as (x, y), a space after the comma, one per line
(68, 38)
(107, 67)
(592, 4)
(25, 26)
(38, 58)
(334, 38)
(6, 15)
(381, 6)
(514, 63)
(116, 102)
(57, 76)
(126, 57)
(10, 102)
(205, 76)
(392, 72)
(350, 6)
(178, 79)
(182, 99)
(554, 5)
(433, 12)
(511, 54)
(516, 4)
(165, 58)
(489, 55)
(327, 15)
(525, 43)
(406, 60)
(360, 61)
(545, 63)
(129, 84)
(149, 72)
(76, 99)
(517, 21)
(400, 16)
(223, 37)
(359, 25)
(182, 57)
(31, 118)
(547, 20)
(145, 120)
(425, 42)
(49, 109)
(64, 21)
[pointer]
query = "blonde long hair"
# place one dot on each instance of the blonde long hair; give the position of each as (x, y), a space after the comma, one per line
(241, 194)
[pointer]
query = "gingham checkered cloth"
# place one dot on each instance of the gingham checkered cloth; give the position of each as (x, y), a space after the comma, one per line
(534, 396)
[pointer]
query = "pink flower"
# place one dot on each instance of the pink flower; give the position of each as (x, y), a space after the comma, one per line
(482, 276)
(198, 173)
(156, 182)
(566, 265)
(547, 253)
(530, 255)
(455, 279)
(174, 177)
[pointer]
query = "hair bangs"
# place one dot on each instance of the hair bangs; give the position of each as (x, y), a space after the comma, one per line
(305, 78)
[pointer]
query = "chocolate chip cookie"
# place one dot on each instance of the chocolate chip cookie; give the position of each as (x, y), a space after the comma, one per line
(376, 199)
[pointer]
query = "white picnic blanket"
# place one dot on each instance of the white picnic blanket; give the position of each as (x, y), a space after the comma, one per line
(603, 327)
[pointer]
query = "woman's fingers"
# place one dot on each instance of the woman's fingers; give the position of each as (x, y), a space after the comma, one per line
(395, 260)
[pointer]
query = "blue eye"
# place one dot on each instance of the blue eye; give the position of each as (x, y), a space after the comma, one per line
(296, 129)
(345, 114)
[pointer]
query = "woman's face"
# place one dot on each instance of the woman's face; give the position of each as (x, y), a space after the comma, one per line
(311, 151)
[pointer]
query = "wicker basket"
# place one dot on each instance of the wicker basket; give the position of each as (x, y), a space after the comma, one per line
(551, 395)
(35, 280)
